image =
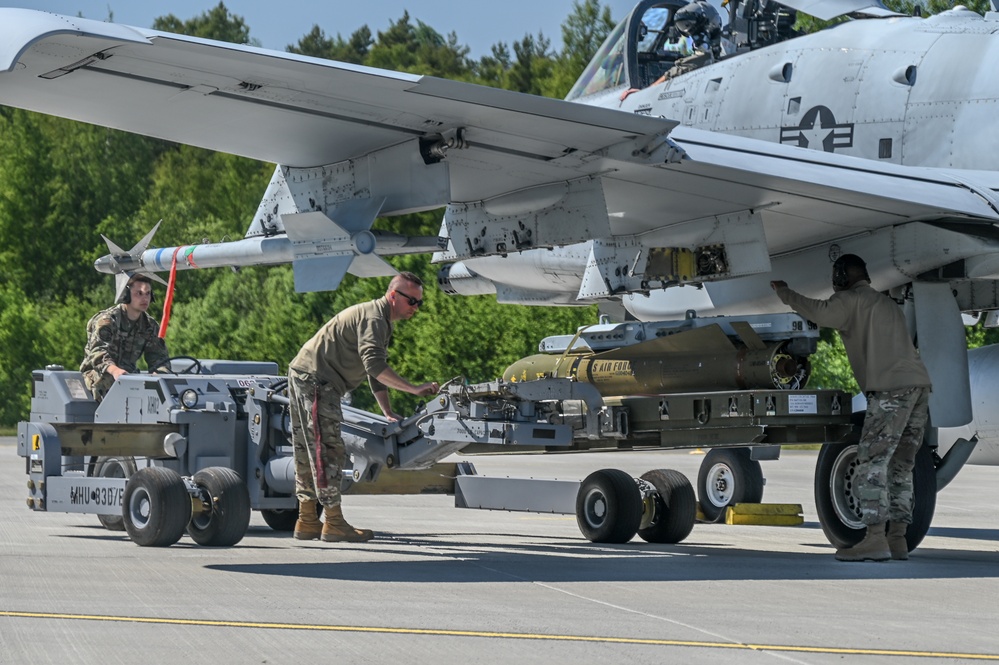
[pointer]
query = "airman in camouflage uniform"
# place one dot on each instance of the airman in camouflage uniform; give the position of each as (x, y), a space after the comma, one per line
(888, 369)
(118, 336)
(352, 346)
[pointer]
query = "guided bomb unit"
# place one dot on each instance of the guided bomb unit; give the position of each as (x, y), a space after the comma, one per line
(675, 357)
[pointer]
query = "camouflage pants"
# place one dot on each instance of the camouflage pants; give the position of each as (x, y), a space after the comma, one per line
(893, 432)
(319, 450)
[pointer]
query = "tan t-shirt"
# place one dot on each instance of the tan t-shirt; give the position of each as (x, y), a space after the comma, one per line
(874, 334)
(351, 346)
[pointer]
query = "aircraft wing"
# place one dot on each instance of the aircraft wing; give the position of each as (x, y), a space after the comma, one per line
(521, 171)
(280, 107)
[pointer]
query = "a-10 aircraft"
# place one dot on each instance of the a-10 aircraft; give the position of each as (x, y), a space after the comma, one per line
(696, 159)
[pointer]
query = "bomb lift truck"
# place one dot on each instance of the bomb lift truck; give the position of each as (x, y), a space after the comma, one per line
(199, 447)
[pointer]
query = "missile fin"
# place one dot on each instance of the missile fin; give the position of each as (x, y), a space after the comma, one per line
(320, 273)
(141, 246)
(371, 265)
(748, 336)
(113, 249)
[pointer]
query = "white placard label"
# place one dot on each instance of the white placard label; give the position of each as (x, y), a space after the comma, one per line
(802, 404)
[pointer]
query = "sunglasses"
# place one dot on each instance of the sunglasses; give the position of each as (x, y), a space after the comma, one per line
(413, 302)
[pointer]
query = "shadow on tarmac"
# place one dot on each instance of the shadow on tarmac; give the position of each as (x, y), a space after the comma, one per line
(445, 558)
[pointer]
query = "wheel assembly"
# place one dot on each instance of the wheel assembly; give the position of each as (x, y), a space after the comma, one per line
(608, 507)
(728, 476)
(839, 511)
(156, 507)
(669, 511)
(114, 467)
(225, 508)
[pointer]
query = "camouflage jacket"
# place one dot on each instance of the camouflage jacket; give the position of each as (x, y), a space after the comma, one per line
(113, 339)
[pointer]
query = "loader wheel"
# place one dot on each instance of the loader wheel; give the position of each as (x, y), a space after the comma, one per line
(226, 508)
(114, 467)
(728, 476)
(156, 507)
(608, 507)
(670, 513)
(838, 512)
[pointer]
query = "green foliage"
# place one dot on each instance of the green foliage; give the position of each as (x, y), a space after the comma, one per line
(217, 23)
(830, 368)
(318, 45)
(419, 49)
(23, 351)
(60, 183)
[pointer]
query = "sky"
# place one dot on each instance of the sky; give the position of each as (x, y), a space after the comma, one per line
(276, 24)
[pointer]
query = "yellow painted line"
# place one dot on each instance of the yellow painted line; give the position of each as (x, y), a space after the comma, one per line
(501, 635)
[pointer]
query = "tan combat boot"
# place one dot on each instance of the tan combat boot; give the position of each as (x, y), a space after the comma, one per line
(336, 529)
(896, 541)
(308, 526)
(874, 546)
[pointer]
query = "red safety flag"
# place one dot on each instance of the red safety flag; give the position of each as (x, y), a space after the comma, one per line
(168, 300)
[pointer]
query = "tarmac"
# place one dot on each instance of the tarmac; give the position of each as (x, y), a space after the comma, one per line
(440, 584)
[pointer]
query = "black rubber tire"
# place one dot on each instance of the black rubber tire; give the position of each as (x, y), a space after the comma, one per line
(227, 517)
(608, 507)
(674, 507)
(283, 519)
(156, 507)
(837, 511)
(280, 519)
(728, 476)
(117, 466)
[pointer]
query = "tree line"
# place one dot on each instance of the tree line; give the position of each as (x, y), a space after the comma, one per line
(63, 184)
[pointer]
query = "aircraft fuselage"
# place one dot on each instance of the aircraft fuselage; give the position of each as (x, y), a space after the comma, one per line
(901, 90)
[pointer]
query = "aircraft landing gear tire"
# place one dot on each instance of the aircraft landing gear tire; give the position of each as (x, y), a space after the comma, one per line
(114, 467)
(669, 514)
(156, 507)
(728, 476)
(838, 512)
(608, 507)
(283, 519)
(226, 514)
(280, 519)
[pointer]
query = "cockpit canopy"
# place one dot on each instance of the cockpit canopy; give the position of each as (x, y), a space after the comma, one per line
(658, 33)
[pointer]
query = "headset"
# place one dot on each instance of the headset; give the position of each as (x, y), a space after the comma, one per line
(126, 296)
(841, 270)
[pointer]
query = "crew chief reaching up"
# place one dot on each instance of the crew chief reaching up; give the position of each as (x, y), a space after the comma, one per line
(888, 370)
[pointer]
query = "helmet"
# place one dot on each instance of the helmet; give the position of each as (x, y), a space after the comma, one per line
(698, 18)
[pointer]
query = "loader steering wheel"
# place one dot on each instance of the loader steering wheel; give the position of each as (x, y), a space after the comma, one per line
(164, 366)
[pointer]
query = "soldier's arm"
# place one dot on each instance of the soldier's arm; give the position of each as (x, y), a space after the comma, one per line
(155, 352)
(831, 313)
(99, 348)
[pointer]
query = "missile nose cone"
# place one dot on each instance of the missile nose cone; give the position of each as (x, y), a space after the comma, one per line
(105, 264)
